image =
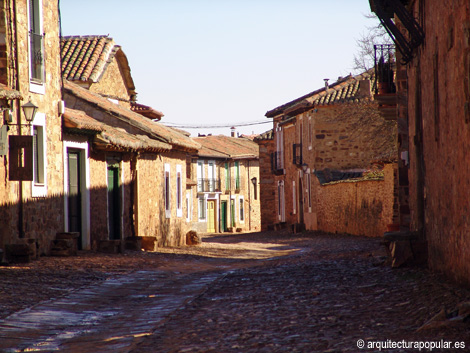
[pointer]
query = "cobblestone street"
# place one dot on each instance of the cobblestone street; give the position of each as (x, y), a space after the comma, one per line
(261, 292)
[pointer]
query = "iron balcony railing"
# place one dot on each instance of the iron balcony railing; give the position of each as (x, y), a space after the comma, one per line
(208, 185)
(277, 162)
(384, 56)
(37, 56)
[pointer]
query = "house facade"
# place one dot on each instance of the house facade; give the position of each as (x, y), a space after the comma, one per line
(225, 192)
(334, 131)
(32, 169)
(433, 95)
(138, 183)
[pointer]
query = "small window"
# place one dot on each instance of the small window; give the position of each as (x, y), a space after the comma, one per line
(38, 154)
(179, 192)
(294, 199)
(227, 176)
(309, 192)
(237, 175)
(200, 176)
(242, 209)
(201, 208)
(39, 184)
(36, 41)
(188, 207)
(310, 132)
(167, 191)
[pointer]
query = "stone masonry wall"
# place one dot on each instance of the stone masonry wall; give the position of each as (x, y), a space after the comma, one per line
(358, 208)
(151, 215)
(112, 84)
(43, 216)
(439, 127)
(267, 189)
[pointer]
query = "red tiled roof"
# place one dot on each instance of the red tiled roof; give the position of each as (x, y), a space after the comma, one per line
(154, 129)
(85, 58)
(267, 135)
(108, 137)
(146, 111)
(221, 146)
(344, 90)
(8, 93)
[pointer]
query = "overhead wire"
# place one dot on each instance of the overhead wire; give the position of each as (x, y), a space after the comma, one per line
(214, 126)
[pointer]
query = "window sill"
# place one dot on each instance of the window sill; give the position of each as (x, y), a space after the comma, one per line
(37, 87)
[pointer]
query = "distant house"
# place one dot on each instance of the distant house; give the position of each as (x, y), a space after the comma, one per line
(225, 195)
(335, 130)
(133, 165)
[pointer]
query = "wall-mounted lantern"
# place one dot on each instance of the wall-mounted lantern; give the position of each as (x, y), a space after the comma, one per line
(304, 167)
(254, 181)
(29, 110)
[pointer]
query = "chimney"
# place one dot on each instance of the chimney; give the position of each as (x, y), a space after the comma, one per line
(326, 82)
(232, 131)
(364, 88)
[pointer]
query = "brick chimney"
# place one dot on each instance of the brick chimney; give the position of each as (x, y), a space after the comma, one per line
(232, 131)
(364, 88)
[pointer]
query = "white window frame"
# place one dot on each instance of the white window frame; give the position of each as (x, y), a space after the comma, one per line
(200, 175)
(294, 198)
(310, 133)
(281, 201)
(203, 208)
(167, 190)
(39, 188)
(280, 145)
(235, 213)
(211, 175)
(84, 162)
(228, 182)
(189, 207)
(35, 86)
(309, 191)
(179, 194)
(241, 215)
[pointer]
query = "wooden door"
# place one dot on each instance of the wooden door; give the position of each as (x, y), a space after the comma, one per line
(223, 216)
(114, 204)
(211, 216)
(74, 197)
(232, 213)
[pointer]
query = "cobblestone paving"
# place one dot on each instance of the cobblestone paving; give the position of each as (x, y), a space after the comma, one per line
(244, 293)
(322, 301)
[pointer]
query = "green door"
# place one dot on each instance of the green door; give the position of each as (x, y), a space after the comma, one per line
(74, 197)
(114, 203)
(223, 216)
(232, 213)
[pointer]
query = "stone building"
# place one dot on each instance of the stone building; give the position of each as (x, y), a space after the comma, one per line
(334, 131)
(267, 186)
(433, 95)
(31, 189)
(131, 168)
(225, 192)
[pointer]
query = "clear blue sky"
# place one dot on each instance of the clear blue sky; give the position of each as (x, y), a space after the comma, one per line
(225, 61)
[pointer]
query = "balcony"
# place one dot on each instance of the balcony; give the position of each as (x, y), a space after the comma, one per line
(277, 163)
(37, 57)
(297, 154)
(234, 185)
(208, 185)
(385, 89)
